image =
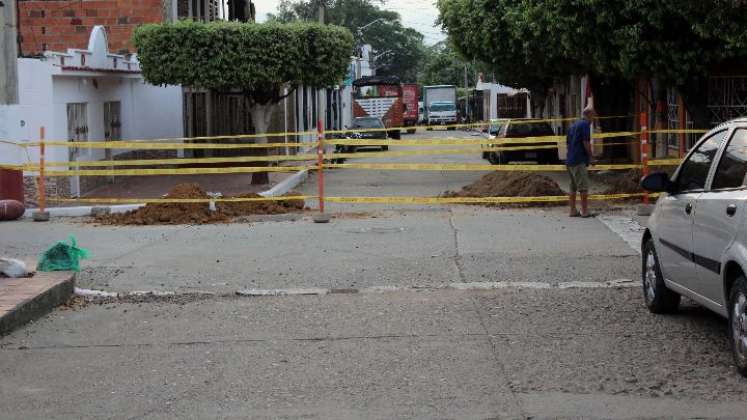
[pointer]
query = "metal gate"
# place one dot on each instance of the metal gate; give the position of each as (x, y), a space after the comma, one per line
(77, 131)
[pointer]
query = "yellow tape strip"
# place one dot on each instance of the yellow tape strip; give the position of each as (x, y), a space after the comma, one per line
(184, 171)
(683, 131)
(664, 162)
(353, 200)
(176, 161)
(13, 167)
(176, 200)
(470, 167)
(472, 200)
(164, 146)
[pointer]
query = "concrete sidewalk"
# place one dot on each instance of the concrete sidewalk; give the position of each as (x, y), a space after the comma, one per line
(27, 299)
(424, 355)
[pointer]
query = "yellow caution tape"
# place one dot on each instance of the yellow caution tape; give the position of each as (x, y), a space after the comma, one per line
(176, 161)
(13, 167)
(178, 200)
(470, 167)
(164, 146)
(352, 200)
(677, 131)
(184, 171)
(664, 162)
(472, 200)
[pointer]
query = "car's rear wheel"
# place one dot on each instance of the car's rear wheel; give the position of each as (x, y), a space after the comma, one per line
(493, 158)
(659, 299)
(738, 323)
(385, 148)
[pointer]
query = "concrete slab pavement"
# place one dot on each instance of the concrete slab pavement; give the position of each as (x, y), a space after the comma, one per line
(433, 354)
(400, 248)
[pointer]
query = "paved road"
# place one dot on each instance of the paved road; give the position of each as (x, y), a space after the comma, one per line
(420, 352)
(433, 354)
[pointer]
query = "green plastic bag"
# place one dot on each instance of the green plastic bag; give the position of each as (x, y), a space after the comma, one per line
(62, 257)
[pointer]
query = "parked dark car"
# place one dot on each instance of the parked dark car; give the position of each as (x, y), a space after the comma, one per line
(502, 130)
(363, 124)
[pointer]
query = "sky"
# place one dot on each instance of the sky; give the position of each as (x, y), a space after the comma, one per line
(418, 14)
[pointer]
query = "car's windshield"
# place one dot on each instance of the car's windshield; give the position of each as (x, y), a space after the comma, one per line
(442, 107)
(530, 129)
(368, 123)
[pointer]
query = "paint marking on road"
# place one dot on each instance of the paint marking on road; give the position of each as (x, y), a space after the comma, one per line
(626, 228)
(475, 286)
(283, 292)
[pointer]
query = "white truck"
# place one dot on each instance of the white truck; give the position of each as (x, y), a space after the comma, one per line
(440, 105)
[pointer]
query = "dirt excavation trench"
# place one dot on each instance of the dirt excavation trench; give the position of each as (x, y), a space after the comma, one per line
(199, 213)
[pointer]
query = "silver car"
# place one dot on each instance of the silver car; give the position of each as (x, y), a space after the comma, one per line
(696, 241)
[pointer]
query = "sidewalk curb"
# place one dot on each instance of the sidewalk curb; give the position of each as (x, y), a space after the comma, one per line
(27, 299)
(81, 211)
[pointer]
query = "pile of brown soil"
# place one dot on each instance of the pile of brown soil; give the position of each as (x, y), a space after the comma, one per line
(245, 208)
(623, 182)
(511, 184)
(198, 213)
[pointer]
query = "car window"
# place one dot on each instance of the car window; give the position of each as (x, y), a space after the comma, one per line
(733, 166)
(368, 123)
(693, 173)
(530, 130)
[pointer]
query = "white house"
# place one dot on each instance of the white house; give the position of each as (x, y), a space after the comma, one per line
(85, 95)
(490, 95)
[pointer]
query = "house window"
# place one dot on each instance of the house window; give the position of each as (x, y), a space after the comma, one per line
(77, 131)
(112, 121)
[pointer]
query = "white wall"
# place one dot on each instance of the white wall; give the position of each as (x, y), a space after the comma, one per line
(44, 92)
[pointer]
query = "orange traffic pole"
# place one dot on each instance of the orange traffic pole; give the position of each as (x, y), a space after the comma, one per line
(320, 163)
(41, 192)
(644, 151)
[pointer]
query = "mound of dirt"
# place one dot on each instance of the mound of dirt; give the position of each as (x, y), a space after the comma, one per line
(245, 208)
(511, 184)
(628, 182)
(623, 182)
(198, 213)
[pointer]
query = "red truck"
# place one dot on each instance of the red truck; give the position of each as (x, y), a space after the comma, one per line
(410, 97)
(380, 97)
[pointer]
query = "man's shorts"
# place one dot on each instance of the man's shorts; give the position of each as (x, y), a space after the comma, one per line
(579, 178)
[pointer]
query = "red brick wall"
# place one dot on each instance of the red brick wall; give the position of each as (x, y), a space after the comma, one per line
(56, 25)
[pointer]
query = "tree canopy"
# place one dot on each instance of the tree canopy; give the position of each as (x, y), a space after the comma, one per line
(442, 65)
(531, 42)
(258, 59)
(402, 47)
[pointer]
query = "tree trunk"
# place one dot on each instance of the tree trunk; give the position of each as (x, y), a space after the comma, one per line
(695, 96)
(261, 117)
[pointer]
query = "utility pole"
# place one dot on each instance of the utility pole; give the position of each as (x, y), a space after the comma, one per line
(9, 53)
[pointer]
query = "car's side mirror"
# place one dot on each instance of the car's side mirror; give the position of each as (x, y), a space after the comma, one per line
(657, 182)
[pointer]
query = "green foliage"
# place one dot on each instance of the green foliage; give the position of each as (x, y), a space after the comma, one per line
(258, 59)
(443, 66)
(405, 44)
(531, 42)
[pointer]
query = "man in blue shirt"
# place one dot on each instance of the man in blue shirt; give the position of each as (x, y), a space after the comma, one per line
(578, 160)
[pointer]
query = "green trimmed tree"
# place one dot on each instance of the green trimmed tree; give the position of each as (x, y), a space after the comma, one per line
(258, 60)
(533, 42)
